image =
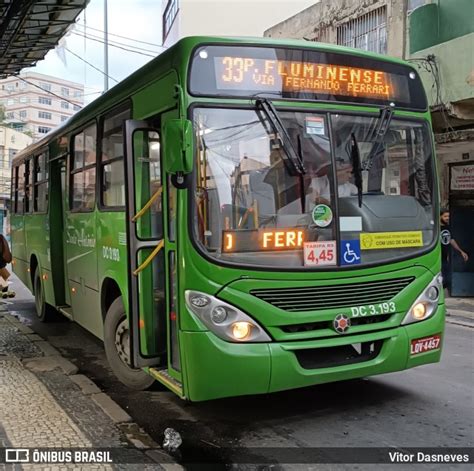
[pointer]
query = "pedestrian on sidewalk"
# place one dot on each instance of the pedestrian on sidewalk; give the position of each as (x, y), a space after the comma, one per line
(5, 257)
(447, 241)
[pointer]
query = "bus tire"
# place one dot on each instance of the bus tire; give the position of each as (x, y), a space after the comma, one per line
(116, 336)
(43, 310)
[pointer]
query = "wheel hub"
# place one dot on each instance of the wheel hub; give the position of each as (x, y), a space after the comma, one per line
(122, 341)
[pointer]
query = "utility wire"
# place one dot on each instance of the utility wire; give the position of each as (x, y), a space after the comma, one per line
(113, 41)
(92, 65)
(119, 36)
(114, 45)
(48, 91)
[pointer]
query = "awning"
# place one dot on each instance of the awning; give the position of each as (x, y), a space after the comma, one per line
(29, 29)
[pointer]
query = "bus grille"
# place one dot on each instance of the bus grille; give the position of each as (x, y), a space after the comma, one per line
(328, 357)
(312, 326)
(312, 298)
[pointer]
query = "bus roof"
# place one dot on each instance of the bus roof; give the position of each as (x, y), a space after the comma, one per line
(170, 57)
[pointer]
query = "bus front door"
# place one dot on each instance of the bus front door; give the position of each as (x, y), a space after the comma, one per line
(148, 307)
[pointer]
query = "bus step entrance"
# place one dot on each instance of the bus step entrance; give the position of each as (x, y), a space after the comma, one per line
(66, 311)
(162, 375)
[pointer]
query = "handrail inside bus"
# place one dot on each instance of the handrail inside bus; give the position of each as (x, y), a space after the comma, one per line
(148, 204)
(150, 257)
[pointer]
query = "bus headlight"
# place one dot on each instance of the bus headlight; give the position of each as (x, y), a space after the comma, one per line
(223, 319)
(426, 304)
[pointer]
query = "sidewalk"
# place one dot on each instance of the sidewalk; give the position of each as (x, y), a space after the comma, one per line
(44, 403)
(460, 310)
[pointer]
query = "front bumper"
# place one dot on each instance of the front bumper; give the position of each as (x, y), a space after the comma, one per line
(215, 368)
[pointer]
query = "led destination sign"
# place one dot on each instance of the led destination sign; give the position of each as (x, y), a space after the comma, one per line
(307, 73)
(302, 77)
(263, 239)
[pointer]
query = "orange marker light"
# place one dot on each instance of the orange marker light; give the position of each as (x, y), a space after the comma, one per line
(229, 241)
(282, 239)
(28, 270)
(73, 290)
(141, 324)
(45, 276)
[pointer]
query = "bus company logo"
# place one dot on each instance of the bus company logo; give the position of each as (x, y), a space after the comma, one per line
(341, 323)
(17, 455)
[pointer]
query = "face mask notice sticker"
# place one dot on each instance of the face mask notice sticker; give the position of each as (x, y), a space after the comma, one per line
(315, 125)
(322, 215)
(390, 240)
(319, 253)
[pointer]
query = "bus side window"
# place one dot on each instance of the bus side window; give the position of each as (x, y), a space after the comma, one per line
(112, 177)
(83, 170)
(28, 208)
(40, 195)
(20, 188)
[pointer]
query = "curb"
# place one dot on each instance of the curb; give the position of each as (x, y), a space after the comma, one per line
(52, 359)
(460, 317)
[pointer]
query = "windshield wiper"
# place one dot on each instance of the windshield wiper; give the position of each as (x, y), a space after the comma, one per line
(377, 135)
(293, 159)
(356, 167)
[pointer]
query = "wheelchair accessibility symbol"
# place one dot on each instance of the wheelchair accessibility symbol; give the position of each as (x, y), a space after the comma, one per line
(350, 252)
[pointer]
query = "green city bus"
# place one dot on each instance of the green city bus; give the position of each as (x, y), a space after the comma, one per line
(241, 216)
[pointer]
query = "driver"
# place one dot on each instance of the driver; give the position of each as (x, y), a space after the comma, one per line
(344, 175)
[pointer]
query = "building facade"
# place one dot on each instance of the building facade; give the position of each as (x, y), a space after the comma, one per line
(182, 18)
(372, 25)
(36, 103)
(441, 45)
(11, 142)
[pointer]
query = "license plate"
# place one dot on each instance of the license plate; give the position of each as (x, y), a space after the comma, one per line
(425, 344)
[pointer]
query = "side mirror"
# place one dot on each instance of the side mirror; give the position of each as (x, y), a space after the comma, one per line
(177, 145)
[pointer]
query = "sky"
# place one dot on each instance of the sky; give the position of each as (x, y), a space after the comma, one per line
(138, 20)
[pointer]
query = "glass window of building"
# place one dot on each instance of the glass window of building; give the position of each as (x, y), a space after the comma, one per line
(367, 32)
(44, 115)
(169, 15)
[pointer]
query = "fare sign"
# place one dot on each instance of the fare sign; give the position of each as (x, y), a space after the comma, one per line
(293, 76)
(320, 253)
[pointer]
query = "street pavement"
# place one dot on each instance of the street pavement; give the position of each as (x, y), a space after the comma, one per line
(429, 406)
(46, 404)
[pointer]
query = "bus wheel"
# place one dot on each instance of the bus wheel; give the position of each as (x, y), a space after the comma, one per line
(43, 310)
(117, 348)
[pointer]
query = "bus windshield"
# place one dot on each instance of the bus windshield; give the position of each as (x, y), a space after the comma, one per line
(251, 209)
